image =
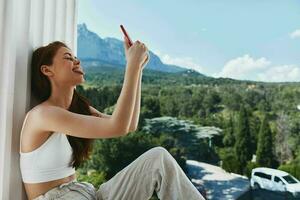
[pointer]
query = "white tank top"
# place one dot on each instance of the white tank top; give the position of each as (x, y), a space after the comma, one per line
(48, 162)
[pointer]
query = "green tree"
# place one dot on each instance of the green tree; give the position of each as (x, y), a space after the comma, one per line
(169, 106)
(292, 167)
(229, 138)
(243, 138)
(232, 99)
(211, 101)
(254, 123)
(283, 147)
(112, 155)
(265, 150)
(151, 107)
(229, 160)
(92, 176)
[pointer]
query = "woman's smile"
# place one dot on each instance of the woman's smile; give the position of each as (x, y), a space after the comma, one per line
(78, 71)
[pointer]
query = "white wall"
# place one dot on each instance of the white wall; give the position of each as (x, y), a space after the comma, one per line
(24, 26)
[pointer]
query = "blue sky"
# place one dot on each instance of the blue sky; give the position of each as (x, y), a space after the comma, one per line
(254, 40)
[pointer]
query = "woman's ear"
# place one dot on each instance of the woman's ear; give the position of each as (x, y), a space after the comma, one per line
(45, 69)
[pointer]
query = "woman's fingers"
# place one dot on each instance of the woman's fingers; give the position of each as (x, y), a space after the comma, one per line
(146, 60)
(138, 52)
(126, 43)
(144, 46)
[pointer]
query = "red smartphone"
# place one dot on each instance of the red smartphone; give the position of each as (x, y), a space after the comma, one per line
(126, 35)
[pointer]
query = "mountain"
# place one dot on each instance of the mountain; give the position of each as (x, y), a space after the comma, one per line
(96, 51)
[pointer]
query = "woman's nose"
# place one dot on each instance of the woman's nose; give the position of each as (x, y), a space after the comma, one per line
(77, 61)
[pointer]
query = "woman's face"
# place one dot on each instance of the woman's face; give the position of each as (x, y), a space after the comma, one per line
(65, 69)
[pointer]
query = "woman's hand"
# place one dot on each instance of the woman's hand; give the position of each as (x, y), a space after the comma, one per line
(136, 55)
(146, 60)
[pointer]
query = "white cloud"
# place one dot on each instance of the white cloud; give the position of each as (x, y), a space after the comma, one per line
(186, 62)
(281, 74)
(242, 67)
(295, 34)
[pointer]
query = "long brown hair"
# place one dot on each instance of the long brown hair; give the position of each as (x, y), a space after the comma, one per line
(41, 91)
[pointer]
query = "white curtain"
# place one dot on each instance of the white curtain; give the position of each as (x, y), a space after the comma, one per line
(24, 26)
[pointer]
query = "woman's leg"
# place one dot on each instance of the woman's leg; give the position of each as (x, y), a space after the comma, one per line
(156, 170)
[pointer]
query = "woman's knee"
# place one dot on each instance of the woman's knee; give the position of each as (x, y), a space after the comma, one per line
(164, 160)
(160, 152)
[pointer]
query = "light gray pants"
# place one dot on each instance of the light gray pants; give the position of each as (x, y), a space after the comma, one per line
(155, 170)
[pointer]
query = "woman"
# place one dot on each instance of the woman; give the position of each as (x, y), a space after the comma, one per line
(57, 133)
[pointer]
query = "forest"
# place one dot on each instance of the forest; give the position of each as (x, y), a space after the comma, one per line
(238, 125)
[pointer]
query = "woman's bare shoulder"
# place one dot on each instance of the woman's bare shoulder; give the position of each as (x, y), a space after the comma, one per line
(32, 115)
(34, 109)
(30, 132)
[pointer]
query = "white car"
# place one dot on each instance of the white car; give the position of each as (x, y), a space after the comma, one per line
(275, 180)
